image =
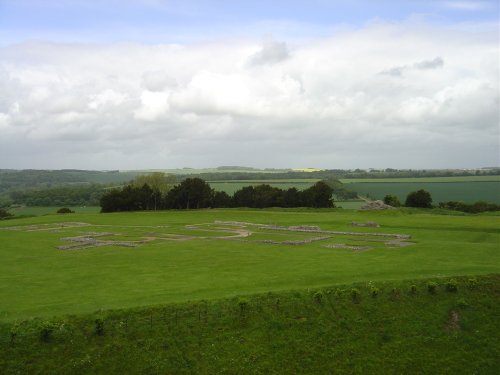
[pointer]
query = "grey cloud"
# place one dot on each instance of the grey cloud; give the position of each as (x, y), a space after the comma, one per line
(270, 53)
(398, 71)
(429, 64)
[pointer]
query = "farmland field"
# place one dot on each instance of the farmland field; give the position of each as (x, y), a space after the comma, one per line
(231, 186)
(468, 189)
(468, 192)
(425, 179)
(59, 264)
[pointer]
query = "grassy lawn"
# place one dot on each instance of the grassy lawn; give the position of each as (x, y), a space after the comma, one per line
(37, 279)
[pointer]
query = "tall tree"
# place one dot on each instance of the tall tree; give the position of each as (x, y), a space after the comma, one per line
(319, 195)
(160, 184)
(190, 193)
(420, 198)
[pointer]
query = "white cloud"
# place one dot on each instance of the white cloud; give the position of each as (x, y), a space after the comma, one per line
(325, 104)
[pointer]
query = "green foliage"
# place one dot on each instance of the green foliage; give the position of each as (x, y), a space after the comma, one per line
(392, 200)
(395, 294)
(319, 195)
(157, 181)
(243, 305)
(46, 331)
(355, 295)
(451, 285)
(65, 210)
(318, 297)
(340, 190)
(4, 214)
(419, 199)
(190, 193)
(374, 291)
(472, 282)
(462, 303)
(80, 195)
(99, 327)
(432, 287)
(413, 289)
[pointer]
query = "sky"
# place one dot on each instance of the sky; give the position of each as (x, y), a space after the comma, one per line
(158, 84)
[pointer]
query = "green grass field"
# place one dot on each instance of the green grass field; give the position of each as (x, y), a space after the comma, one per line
(38, 279)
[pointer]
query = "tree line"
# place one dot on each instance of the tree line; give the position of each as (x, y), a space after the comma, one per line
(195, 193)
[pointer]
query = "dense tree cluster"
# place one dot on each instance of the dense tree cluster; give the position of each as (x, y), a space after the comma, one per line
(86, 195)
(4, 214)
(392, 200)
(420, 199)
(194, 193)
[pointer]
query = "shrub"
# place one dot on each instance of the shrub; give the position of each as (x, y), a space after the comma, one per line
(452, 285)
(392, 200)
(420, 199)
(413, 289)
(462, 303)
(99, 327)
(432, 287)
(472, 282)
(13, 333)
(374, 291)
(395, 293)
(46, 330)
(243, 305)
(4, 214)
(318, 296)
(65, 210)
(355, 294)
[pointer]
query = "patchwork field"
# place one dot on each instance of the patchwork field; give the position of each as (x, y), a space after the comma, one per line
(468, 189)
(468, 192)
(60, 264)
(231, 187)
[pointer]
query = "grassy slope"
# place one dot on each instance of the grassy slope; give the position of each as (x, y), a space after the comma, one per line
(286, 333)
(36, 279)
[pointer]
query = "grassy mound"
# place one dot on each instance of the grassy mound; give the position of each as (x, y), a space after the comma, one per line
(445, 326)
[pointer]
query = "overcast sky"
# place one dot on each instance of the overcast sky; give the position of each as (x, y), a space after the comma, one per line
(143, 84)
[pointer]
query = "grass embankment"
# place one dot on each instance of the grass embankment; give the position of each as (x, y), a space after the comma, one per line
(370, 328)
(38, 279)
